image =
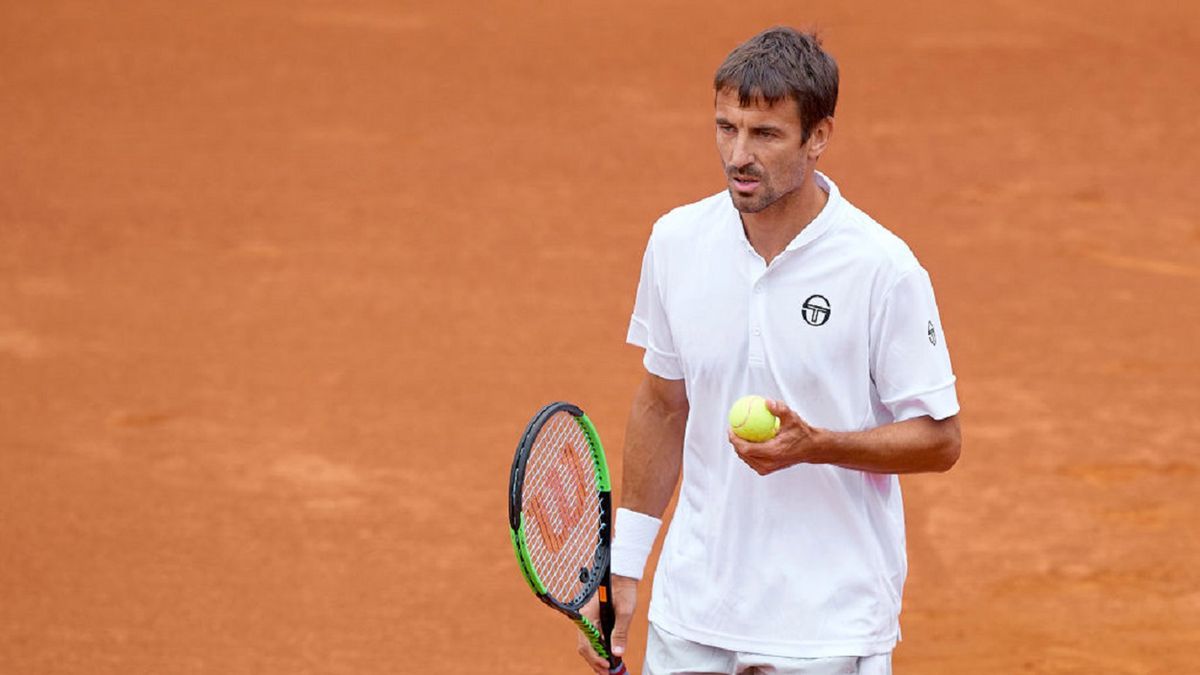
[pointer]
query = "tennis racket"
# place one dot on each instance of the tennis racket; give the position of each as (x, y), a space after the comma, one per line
(560, 519)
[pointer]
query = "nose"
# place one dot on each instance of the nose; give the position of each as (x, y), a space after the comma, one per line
(742, 154)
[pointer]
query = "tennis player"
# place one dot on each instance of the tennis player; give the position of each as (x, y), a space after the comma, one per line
(786, 556)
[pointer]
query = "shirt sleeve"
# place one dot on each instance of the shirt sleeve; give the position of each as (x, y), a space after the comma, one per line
(649, 328)
(910, 363)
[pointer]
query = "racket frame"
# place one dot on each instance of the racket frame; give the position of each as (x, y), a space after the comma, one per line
(599, 578)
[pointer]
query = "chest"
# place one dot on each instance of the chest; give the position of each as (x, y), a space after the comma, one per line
(803, 317)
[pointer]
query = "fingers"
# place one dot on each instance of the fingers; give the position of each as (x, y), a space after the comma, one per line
(590, 656)
(751, 453)
(592, 611)
(737, 443)
(594, 660)
(763, 458)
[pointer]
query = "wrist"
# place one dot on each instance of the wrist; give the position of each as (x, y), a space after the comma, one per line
(822, 445)
(633, 537)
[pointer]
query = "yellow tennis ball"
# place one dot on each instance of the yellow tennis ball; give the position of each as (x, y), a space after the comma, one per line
(750, 419)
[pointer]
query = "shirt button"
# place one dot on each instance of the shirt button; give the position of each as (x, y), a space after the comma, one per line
(757, 331)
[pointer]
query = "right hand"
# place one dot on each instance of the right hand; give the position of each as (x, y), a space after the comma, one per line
(624, 599)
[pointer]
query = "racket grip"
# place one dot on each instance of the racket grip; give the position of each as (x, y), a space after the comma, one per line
(617, 668)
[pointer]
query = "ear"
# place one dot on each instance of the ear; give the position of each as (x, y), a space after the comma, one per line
(818, 140)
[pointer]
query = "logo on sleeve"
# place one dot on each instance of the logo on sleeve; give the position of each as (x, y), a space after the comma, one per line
(816, 310)
(932, 334)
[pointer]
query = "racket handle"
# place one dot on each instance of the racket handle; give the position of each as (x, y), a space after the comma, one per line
(617, 667)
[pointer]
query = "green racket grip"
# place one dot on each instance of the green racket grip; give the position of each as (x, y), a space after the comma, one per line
(593, 635)
(615, 665)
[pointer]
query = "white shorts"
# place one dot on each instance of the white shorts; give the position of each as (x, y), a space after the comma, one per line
(668, 654)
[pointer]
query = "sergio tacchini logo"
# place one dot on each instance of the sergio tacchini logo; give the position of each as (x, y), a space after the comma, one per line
(816, 310)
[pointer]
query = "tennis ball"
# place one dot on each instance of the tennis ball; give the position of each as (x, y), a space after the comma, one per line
(750, 419)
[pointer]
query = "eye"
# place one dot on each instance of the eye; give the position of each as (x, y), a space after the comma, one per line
(725, 127)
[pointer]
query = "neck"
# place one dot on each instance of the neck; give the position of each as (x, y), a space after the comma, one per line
(770, 231)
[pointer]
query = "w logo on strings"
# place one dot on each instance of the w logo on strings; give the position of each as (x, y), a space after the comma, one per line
(560, 506)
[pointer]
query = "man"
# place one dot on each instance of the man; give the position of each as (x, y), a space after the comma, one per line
(785, 556)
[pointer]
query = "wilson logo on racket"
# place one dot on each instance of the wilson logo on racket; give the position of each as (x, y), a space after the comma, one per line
(557, 510)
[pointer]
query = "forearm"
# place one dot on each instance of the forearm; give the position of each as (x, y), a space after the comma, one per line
(653, 453)
(912, 446)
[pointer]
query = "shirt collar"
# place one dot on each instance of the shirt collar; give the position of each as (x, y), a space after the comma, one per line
(825, 219)
(815, 228)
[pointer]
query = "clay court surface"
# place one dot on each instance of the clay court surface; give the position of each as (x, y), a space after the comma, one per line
(281, 282)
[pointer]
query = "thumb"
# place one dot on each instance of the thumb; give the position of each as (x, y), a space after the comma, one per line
(620, 634)
(624, 615)
(777, 408)
(624, 596)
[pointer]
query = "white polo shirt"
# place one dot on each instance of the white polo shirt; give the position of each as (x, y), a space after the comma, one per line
(842, 326)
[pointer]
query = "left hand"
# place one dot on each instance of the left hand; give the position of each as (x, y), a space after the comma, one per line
(794, 443)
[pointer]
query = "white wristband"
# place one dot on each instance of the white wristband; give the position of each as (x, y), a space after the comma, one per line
(633, 537)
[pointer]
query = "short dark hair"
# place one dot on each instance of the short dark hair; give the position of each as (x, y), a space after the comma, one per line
(779, 63)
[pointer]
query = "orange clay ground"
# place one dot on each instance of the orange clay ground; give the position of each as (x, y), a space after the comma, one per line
(281, 282)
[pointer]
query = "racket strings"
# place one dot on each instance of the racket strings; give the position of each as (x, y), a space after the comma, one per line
(561, 499)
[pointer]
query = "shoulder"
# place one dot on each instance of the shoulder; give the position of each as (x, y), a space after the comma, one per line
(688, 225)
(873, 244)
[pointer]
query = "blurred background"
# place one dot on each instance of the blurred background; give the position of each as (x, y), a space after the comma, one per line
(281, 283)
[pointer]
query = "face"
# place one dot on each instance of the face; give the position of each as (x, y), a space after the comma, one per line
(762, 151)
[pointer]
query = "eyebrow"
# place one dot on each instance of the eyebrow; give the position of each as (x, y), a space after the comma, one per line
(721, 119)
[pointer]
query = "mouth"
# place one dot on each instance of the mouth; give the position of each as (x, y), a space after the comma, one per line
(744, 183)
